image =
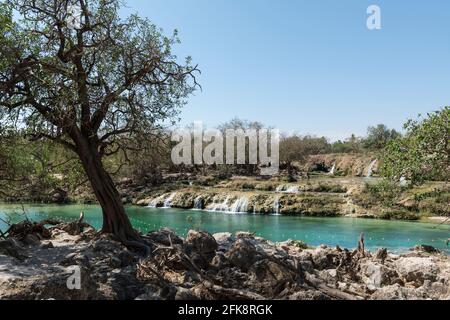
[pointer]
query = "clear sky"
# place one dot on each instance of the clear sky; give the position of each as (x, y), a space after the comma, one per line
(311, 66)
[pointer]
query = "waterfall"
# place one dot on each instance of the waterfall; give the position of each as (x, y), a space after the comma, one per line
(287, 189)
(276, 206)
(292, 189)
(198, 203)
(221, 206)
(333, 169)
(168, 201)
(370, 169)
(239, 206)
(155, 201)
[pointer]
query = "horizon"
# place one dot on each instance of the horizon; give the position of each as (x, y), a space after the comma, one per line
(333, 76)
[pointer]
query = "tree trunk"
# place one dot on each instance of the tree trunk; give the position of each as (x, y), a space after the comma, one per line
(115, 221)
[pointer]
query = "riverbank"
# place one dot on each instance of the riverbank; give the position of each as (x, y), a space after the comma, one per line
(322, 196)
(37, 265)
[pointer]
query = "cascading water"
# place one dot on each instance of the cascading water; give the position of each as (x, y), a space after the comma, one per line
(370, 169)
(239, 206)
(154, 202)
(292, 189)
(221, 206)
(198, 203)
(168, 201)
(287, 189)
(333, 170)
(276, 206)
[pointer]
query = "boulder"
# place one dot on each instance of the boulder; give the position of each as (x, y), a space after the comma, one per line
(202, 242)
(219, 261)
(378, 275)
(242, 254)
(31, 239)
(185, 294)
(165, 237)
(12, 248)
(425, 248)
(223, 237)
(397, 292)
(59, 196)
(245, 234)
(324, 258)
(417, 269)
(269, 277)
(381, 255)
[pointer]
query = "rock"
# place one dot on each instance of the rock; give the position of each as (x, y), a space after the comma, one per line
(307, 266)
(12, 248)
(396, 292)
(202, 242)
(164, 237)
(31, 239)
(124, 284)
(47, 245)
(324, 258)
(59, 196)
(308, 295)
(143, 202)
(378, 275)
(126, 258)
(76, 259)
(200, 260)
(425, 248)
(185, 294)
(268, 276)
(245, 234)
(381, 255)
(223, 237)
(149, 296)
(242, 254)
(219, 261)
(417, 269)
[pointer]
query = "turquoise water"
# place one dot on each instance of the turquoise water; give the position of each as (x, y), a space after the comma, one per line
(397, 236)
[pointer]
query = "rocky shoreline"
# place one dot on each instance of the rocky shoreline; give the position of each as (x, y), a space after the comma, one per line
(38, 263)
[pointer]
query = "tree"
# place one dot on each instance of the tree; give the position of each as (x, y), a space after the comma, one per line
(423, 153)
(74, 72)
(352, 144)
(295, 148)
(378, 137)
(245, 126)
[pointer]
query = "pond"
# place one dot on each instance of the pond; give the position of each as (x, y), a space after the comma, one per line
(397, 236)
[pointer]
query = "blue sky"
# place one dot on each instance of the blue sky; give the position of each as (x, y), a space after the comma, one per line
(310, 66)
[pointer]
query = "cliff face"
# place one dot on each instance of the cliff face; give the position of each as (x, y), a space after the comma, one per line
(344, 164)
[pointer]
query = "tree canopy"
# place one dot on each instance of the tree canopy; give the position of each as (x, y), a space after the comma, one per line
(424, 152)
(76, 73)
